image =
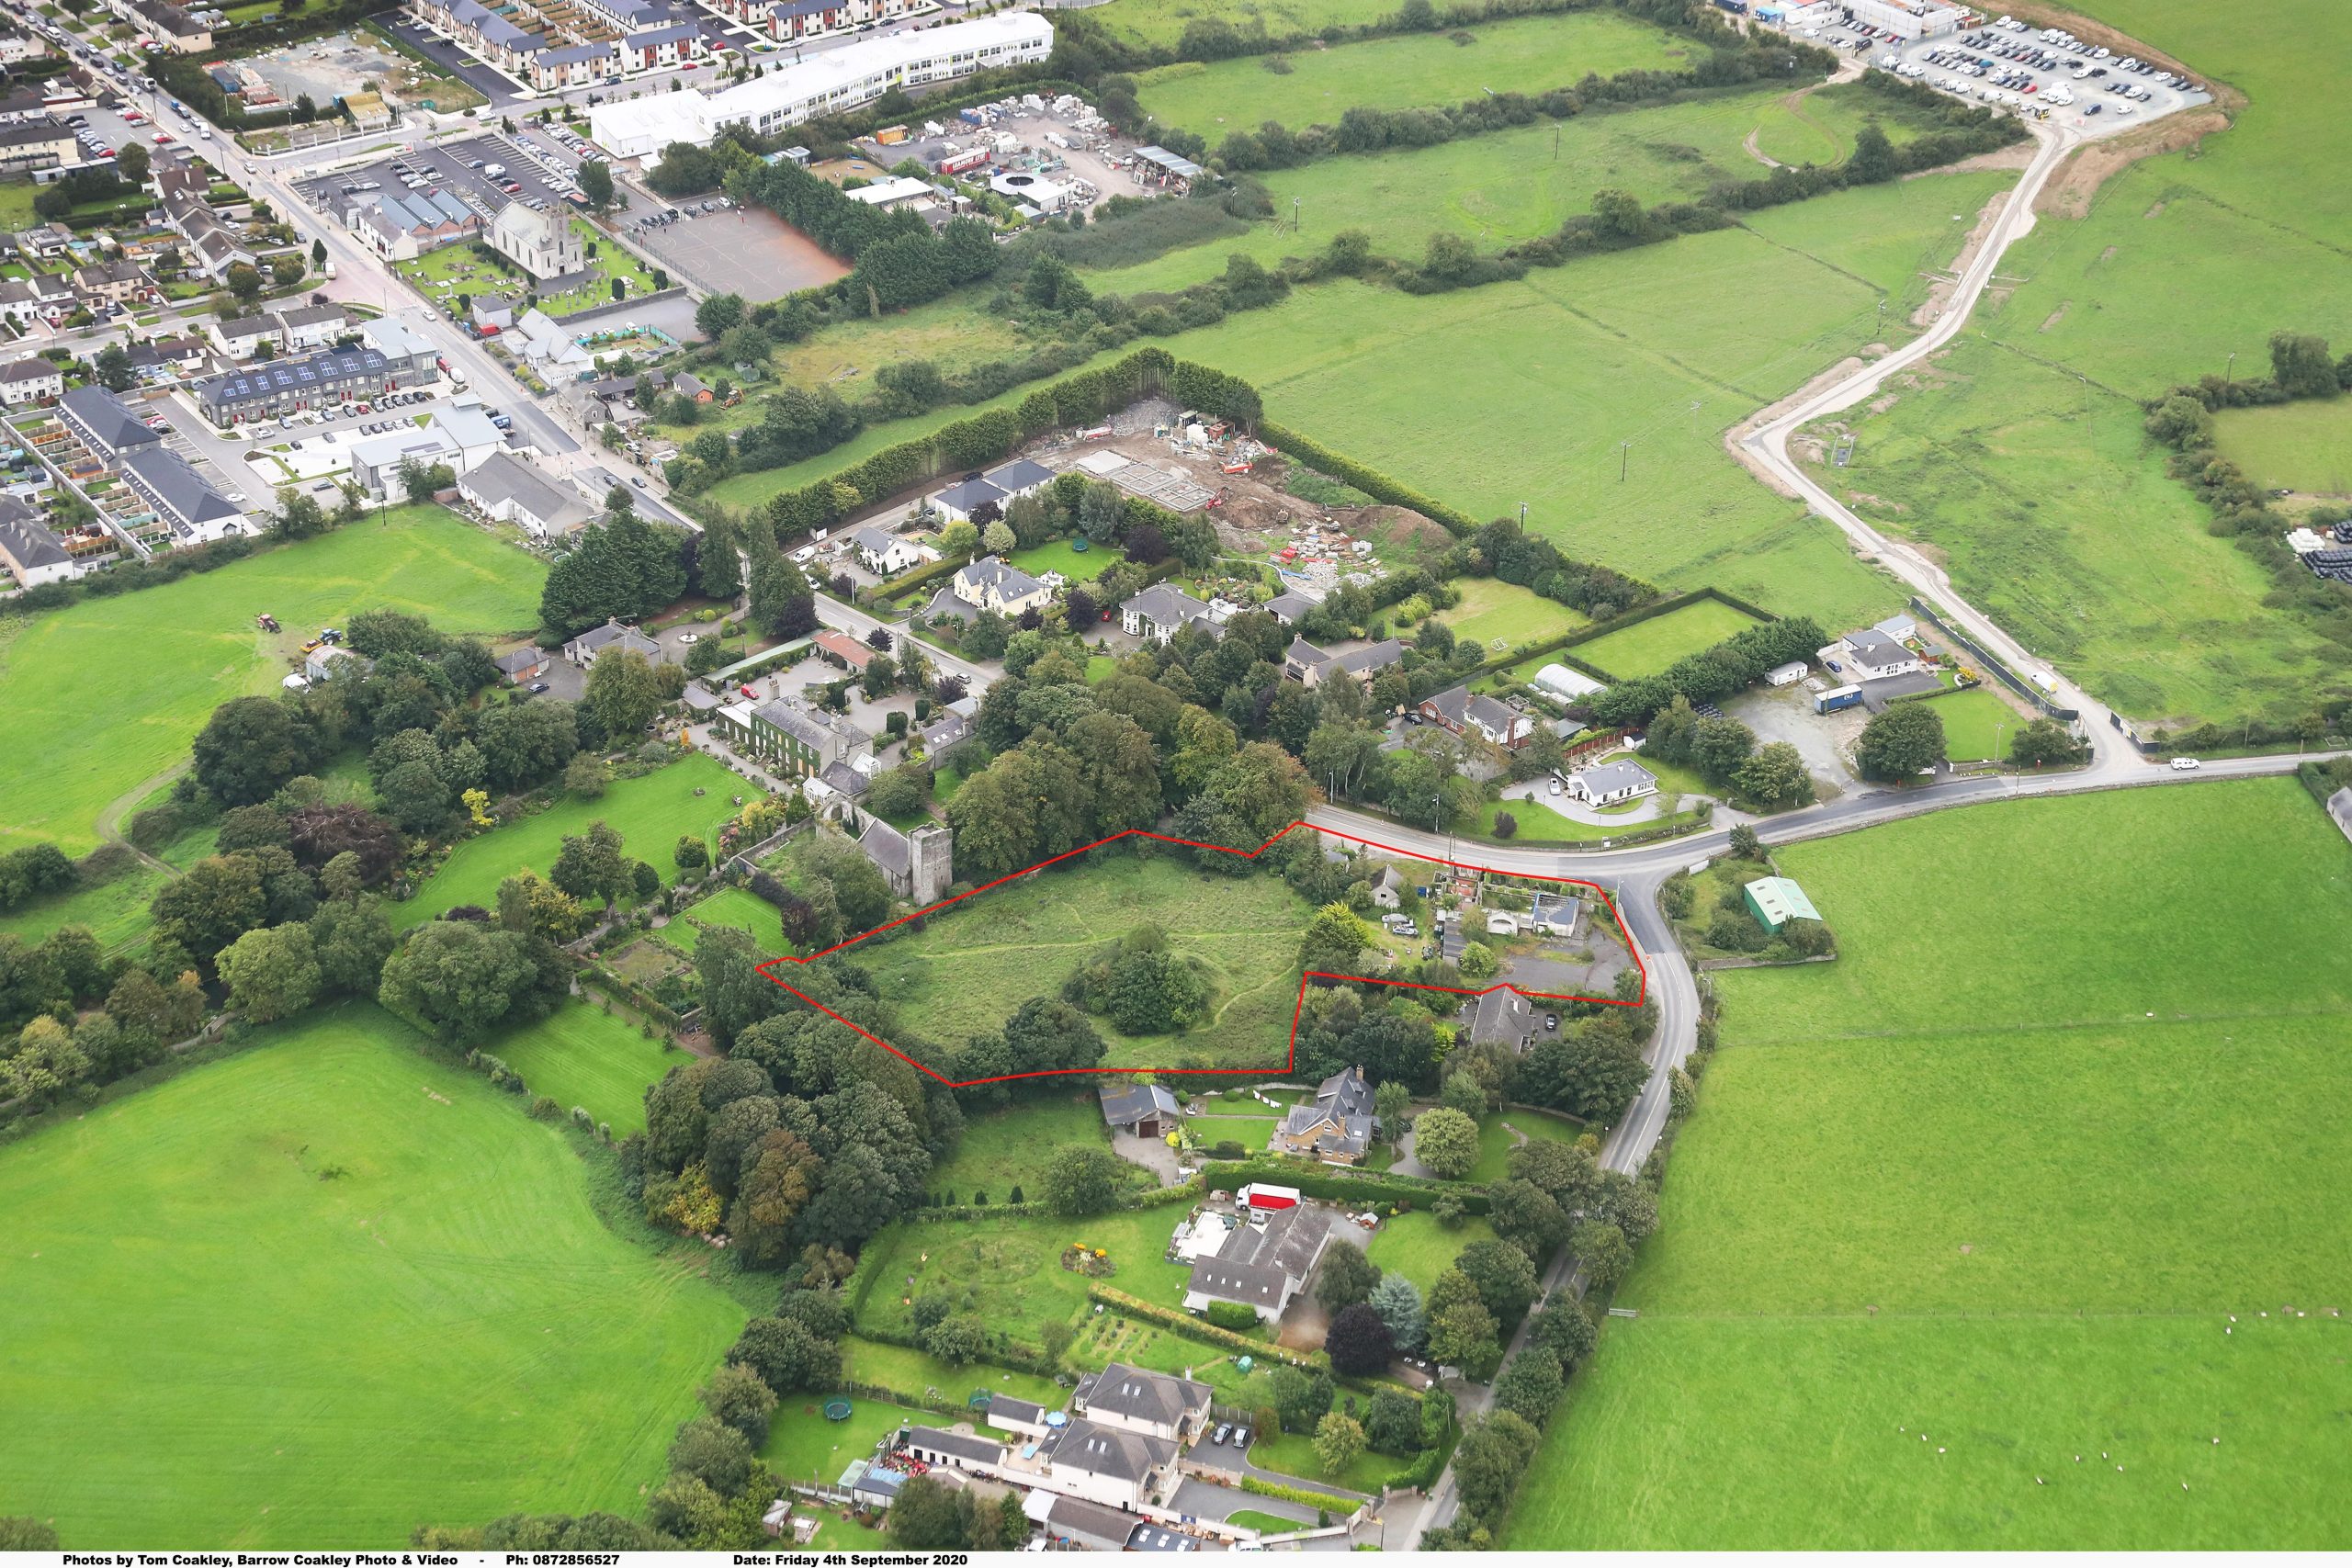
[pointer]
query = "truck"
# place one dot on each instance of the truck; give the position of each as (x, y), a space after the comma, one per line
(1837, 698)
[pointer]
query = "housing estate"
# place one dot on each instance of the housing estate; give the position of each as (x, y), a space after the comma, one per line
(179, 497)
(404, 225)
(30, 380)
(104, 423)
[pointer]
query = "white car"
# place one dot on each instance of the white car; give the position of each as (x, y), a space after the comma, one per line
(1555, 786)
(2185, 764)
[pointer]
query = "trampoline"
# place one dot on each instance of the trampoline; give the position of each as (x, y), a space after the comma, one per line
(837, 1409)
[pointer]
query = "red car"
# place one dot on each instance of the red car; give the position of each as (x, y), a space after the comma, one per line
(747, 691)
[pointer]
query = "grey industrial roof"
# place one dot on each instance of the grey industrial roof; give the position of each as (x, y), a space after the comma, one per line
(1161, 157)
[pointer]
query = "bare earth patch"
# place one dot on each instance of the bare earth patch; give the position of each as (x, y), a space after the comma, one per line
(2057, 315)
(2069, 191)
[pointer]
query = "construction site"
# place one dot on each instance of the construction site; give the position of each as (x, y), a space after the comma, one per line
(1046, 155)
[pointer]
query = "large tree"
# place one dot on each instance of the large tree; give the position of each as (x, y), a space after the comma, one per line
(1445, 1141)
(251, 747)
(218, 900)
(1398, 1303)
(621, 569)
(1346, 1279)
(1359, 1340)
(1901, 741)
(1501, 1275)
(460, 980)
(623, 692)
(787, 1356)
(271, 972)
(1081, 1181)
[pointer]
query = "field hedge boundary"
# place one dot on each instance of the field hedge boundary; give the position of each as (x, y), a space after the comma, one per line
(1192, 1327)
(1593, 633)
(1326, 1502)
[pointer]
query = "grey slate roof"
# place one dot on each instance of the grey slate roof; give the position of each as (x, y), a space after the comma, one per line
(1010, 580)
(26, 538)
(1124, 1107)
(1165, 607)
(503, 477)
(595, 639)
(1142, 1396)
(1461, 707)
(983, 1449)
(1019, 474)
(846, 779)
(1502, 1019)
(1605, 778)
(522, 659)
(1873, 650)
(178, 490)
(886, 846)
(1109, 1451)
(1258, 1264)
(109, 419)
(971, 495)
(34, 369)
(1003, 1407)
(1287, 607)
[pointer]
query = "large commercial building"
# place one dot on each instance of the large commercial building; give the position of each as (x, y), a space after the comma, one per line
(836, 81)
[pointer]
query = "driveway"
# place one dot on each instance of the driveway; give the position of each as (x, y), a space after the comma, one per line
(1205, 1500)
(1152, 1154)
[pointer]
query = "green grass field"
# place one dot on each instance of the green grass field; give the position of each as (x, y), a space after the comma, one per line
(1011, 1266)
(1978, 726)
(728, 907)
(1539, 824)
(912, 1372)
(1004, 1149)
(650, 813)
(1157, 22)
(1526, 54)
(2039, 492)
(1293, 1453)
(803, 1446)
(2090, 1102)
(2302, 445)
(2054, 514)
(1495, 1140)
(1651, 647)
(581, 1056)
(1419, 1247)
(193, 646)
(966, 974)
(115, 911)
(366, 1292)
(1492, 609)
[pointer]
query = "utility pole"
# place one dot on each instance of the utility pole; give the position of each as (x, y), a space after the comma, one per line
(1294, 215)
(1624, 449)
(2229, 371)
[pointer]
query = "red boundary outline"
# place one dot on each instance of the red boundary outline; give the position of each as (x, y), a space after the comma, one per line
(768, 968)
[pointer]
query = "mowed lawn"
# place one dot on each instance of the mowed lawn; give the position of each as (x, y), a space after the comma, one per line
(1064, 557)
(728, 907)
(1525, 54)
(1978, 725)
(1417, 1246)
(109, 693)
(1651, 647)
(1160, 22)
(2003, 1178)
(1499, 615)
(1011, 1266)
(1496, 1140)
(584, 1056)
(353, 1290)
(1003, 1149)
(2304, 445)
(968, 971)
(650, 813)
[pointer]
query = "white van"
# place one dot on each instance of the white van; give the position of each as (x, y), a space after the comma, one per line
(2184, 764)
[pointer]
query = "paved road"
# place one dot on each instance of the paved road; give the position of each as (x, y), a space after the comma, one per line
(857, 622)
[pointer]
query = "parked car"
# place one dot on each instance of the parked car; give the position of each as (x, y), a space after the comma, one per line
(2185, 764)
(1221, 1434)
(536, 687)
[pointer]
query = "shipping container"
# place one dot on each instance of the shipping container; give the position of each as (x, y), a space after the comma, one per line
(1837, 697)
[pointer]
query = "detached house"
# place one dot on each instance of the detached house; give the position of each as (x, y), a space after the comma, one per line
(790, 737)
(591, 644)
(1871, 655)
(1612, 782)
(1160, 612)
(883, 553)
(1110, 1465)
(1311, 666)
(1336, 1128)
(1264, 1263)
(1134, 1400)
(1465, 713)
(1146, 1110)
(989, 584)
